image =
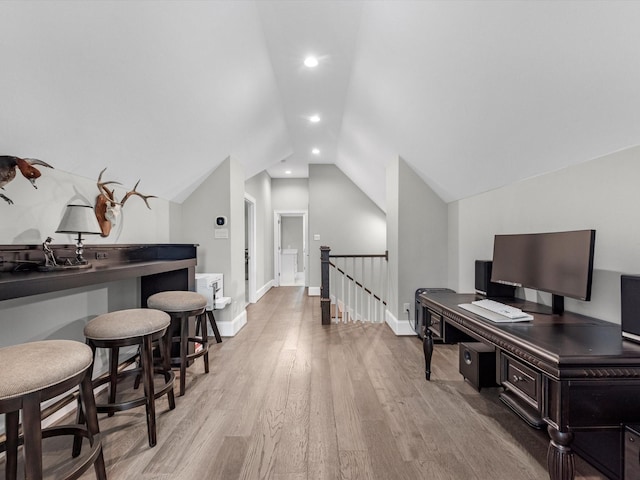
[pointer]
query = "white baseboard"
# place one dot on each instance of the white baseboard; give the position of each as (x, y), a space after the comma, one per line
(314, 291)
(261, 291)
(230, 329)
(399, 327)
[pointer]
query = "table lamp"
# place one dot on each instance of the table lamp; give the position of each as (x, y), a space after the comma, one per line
(79, 219)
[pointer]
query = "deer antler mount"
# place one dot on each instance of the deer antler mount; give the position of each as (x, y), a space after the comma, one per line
(108, 208)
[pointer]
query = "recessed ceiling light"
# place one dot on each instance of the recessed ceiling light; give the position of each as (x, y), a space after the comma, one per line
(288, 172)
(311, 62)
(314, 118)
(315, 151)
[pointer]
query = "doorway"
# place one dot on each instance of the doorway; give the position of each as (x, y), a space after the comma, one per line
(290, 248)
(250, 294)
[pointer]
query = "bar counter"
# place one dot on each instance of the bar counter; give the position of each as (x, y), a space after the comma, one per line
(159, 267)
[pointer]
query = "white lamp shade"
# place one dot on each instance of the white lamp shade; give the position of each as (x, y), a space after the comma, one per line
(79, 219)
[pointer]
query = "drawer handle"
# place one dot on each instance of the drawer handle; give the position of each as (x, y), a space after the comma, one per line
(517, 379)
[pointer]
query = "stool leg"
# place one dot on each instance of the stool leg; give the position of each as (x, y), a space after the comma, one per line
(32, 433)
(147, 379)
(136, 382)
(11, 420)
(214, 326)
(87, 404)
(165, 352)
(202, 321)
(184, 344)
(80, 418)
(113, 375)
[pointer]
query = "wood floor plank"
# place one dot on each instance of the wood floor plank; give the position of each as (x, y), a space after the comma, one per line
(386, 460)
(259, 461)
(347, 419)
(355, 465)
(292, 451)
(323, 438)
(227, 463)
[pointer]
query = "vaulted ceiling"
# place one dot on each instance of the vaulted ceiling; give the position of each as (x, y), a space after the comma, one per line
(473, 95)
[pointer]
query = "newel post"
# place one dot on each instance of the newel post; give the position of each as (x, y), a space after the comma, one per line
(325, 300)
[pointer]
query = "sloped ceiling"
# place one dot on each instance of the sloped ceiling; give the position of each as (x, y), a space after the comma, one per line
(473, 95)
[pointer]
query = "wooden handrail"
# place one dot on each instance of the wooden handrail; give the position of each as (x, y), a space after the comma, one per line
(384, 255)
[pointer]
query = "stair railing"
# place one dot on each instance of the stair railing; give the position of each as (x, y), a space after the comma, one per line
(354, 287)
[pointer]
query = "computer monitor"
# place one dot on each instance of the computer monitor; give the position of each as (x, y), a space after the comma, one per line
(560, 263)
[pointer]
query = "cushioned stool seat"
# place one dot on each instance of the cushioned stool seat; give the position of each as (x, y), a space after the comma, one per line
(182, 305)
(32, 373)
(133, 327)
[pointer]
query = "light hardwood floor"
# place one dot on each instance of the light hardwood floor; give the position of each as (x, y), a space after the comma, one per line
(289, 399)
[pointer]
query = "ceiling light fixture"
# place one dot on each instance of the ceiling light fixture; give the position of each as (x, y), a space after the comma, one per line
(315, 151)
(311, 61)
(314, 118)
(288, 172)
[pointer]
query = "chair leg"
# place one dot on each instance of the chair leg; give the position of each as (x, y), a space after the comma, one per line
(87, 404)
(80, 419)
(184, 345)
(147, 380)
(113, 375)
(11, 427)
(214, 326)
(32, 434)
(202, 321)
(136, 382)
(80, 416)
(165, 354)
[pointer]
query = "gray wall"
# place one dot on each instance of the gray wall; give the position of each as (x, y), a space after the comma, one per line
(417, 239)
(220, 194)
(36, 213)
(343, 216)
(260, 188)
(393, 229)
(602, 194)
(290, 193)
(421, 237)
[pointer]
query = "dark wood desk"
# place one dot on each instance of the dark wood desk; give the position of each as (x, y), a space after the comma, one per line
(159, 267)
(570, 372)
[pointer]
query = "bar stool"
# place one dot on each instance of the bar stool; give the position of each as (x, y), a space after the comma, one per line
(182, 305)
(32, 373)
(123, 328)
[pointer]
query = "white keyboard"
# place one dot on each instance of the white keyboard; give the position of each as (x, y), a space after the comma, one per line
(496, 311)
(501, 308)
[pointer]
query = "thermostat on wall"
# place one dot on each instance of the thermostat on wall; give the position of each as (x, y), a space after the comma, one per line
(221, 221)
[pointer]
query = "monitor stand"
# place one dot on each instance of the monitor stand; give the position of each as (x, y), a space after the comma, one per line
(557, 304)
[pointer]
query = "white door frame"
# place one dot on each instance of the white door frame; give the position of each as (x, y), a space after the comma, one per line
(277, 247)
(251, 240)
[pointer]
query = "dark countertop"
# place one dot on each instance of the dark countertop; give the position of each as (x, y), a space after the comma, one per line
(108, 263)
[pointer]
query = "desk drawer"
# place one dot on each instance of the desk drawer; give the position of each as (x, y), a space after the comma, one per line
(434, 323)
(521, 379)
